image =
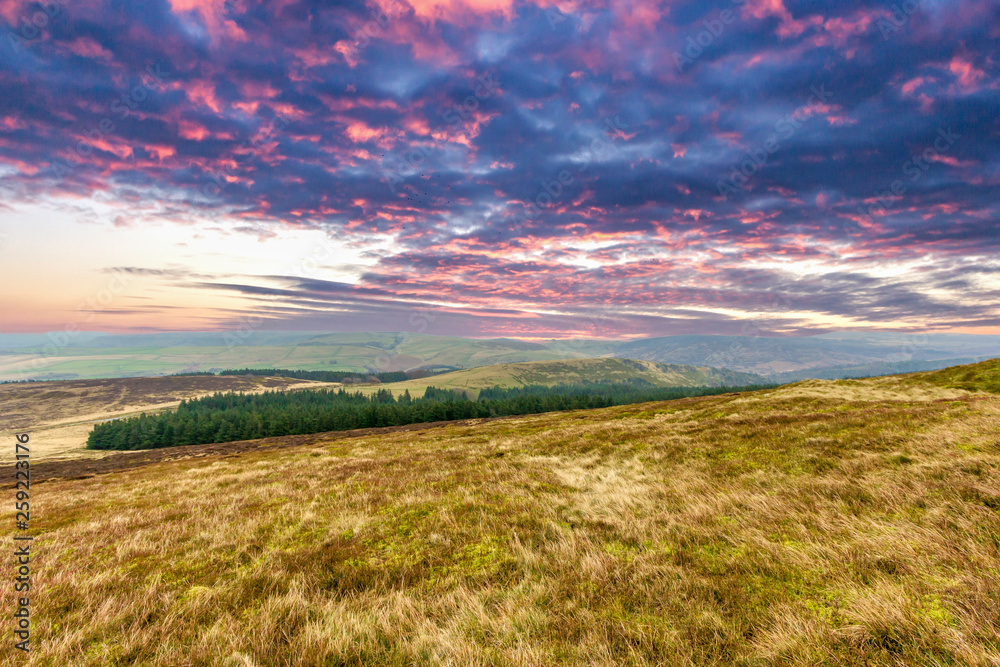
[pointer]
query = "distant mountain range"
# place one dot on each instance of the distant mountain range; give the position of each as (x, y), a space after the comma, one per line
(835, 355)
(789, 357)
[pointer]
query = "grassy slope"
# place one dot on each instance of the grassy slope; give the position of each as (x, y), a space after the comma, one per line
(984, 376)
(573, 371)
(847, 523)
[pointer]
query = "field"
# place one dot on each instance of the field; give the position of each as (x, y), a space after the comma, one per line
(59, 415)
(822, 523)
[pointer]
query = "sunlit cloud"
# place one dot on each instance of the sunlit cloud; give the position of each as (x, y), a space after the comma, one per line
(517, 166)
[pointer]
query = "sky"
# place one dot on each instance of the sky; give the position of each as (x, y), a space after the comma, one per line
(515, 168)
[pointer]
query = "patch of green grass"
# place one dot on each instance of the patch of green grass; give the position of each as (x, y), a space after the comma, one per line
(983, 376)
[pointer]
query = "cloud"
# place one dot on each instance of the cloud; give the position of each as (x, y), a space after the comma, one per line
(584, 171)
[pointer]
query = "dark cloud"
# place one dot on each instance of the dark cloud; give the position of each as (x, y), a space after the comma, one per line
(509, 151)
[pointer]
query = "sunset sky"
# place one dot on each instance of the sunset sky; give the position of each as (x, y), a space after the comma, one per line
(514, 168)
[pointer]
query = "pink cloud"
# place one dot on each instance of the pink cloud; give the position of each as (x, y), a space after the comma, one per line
(968, 75)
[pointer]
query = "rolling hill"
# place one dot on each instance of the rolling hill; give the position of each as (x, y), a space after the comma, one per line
(575, 371)
(793, 358)
(159, 354)
(827, 522)
(784, 359)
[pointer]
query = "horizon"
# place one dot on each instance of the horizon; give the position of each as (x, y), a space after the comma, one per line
(246, 334)
(68, 355)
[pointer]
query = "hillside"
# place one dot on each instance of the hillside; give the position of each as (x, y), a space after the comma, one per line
(575, 371)
(828, 522)
(983, 376)
(60, 414)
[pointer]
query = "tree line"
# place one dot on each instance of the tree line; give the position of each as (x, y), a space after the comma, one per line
(225, 417)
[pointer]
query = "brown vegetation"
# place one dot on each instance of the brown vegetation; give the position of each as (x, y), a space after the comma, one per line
(794, 526)
(60, 414)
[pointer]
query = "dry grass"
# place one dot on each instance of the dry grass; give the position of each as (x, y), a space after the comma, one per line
(60, 415)
(789, 527)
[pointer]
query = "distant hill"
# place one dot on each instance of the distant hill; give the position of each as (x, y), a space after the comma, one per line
(870, 370)
(852, 353)
(784, 359)
(576, 371)
(163, 354)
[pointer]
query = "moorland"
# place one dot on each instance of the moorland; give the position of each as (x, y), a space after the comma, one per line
(850, 522)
